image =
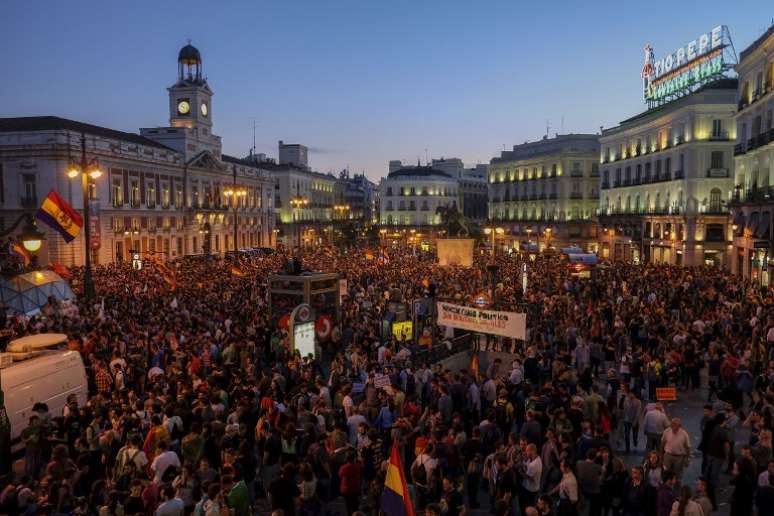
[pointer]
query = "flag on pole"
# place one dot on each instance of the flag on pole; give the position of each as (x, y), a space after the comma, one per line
(395, 499)
(475, 368)
(60, 216)
(17, 250)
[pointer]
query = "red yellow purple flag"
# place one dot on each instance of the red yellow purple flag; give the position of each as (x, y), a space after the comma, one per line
(395, 499)
(56, 213)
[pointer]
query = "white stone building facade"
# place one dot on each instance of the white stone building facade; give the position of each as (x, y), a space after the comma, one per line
(753, 195)
(162, 193)
(666, 178)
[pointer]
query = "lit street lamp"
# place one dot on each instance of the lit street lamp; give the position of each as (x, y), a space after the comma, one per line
(297, 203)
(492, 266)
(237, 193)
(89, 171)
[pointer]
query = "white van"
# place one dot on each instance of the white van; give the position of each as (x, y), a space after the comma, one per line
(49, 378)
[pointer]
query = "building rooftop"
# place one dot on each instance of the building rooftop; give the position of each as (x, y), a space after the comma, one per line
(573, 142)
(755, 44)
(418, 171)
(55, 123)
(721, 84)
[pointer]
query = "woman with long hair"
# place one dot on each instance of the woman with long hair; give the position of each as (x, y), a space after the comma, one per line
(685, 505)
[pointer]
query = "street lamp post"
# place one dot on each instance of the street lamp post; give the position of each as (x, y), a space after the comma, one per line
(88, 170)
(237, 193)
(297, 203)
(492, 267)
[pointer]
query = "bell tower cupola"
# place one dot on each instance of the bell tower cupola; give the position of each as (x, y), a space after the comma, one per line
(190, 97)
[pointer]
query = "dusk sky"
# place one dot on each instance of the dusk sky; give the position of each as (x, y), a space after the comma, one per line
(359, 82)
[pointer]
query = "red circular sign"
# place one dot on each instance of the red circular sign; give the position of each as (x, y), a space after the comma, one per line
(323, 326)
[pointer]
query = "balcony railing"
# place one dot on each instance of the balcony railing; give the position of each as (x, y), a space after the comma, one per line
(757, 194)
(605, 185)
(679, 174)
(717, 172)
(576, 195)
(576, 173)
(719, 136)
(553, 195)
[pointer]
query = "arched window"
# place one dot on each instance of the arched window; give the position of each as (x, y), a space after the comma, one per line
(637, 203)
(628, 204)
(658, 201)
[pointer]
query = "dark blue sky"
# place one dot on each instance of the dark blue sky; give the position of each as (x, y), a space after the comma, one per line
(359, 82)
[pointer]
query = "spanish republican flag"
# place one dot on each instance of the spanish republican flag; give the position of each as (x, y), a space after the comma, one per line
(60, 216)
(395, 499)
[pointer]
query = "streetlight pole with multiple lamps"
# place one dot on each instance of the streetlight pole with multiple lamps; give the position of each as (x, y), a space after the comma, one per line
(89, 171)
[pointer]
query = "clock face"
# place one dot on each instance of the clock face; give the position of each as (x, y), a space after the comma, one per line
(183, 107)
(204, 109)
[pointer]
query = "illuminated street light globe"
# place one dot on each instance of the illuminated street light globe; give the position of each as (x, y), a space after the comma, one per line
(31, 238)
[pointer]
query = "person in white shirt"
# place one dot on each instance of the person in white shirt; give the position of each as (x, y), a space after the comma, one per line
(531, 475)
(164, 460)
(677, 448)
(567, 489)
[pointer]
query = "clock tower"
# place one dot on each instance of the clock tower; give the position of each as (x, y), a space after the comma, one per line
(190, 110)
(190, 96)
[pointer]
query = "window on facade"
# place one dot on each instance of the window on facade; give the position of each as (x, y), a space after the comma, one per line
(638, 174)
(30, 189)
(412, 205)
(178, 198)
(668, 167)
(2, 184)
(117, 192)
(717, 128)
(134, 196)
(413, 191)
(389, 190)
(606, 177)
(714, 233)
(401, 205)
(647, 171)
(658, 169)
(150, 195)
(716, 159)
(617, 176)
(165, 196)
(628, 176)
(715, 200)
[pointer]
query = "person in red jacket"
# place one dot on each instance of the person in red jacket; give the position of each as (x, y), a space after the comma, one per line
(351, 475)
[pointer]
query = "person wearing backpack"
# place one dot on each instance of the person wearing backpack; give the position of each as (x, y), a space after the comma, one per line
(130, 461)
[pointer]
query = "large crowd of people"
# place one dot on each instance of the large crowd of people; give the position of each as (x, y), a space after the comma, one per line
(198, 405)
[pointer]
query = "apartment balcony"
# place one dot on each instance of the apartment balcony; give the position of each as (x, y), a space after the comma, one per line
(679, 174)
(719, 137)
(576, 195)
(616, 183)
(533, 197)
(543, 196)
(553, 195)
(739, 149)
(605, 185)
(594, 173)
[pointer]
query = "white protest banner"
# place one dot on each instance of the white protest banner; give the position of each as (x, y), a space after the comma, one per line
(505, 324)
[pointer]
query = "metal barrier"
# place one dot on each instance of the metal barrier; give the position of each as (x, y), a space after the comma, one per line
(442, 350)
